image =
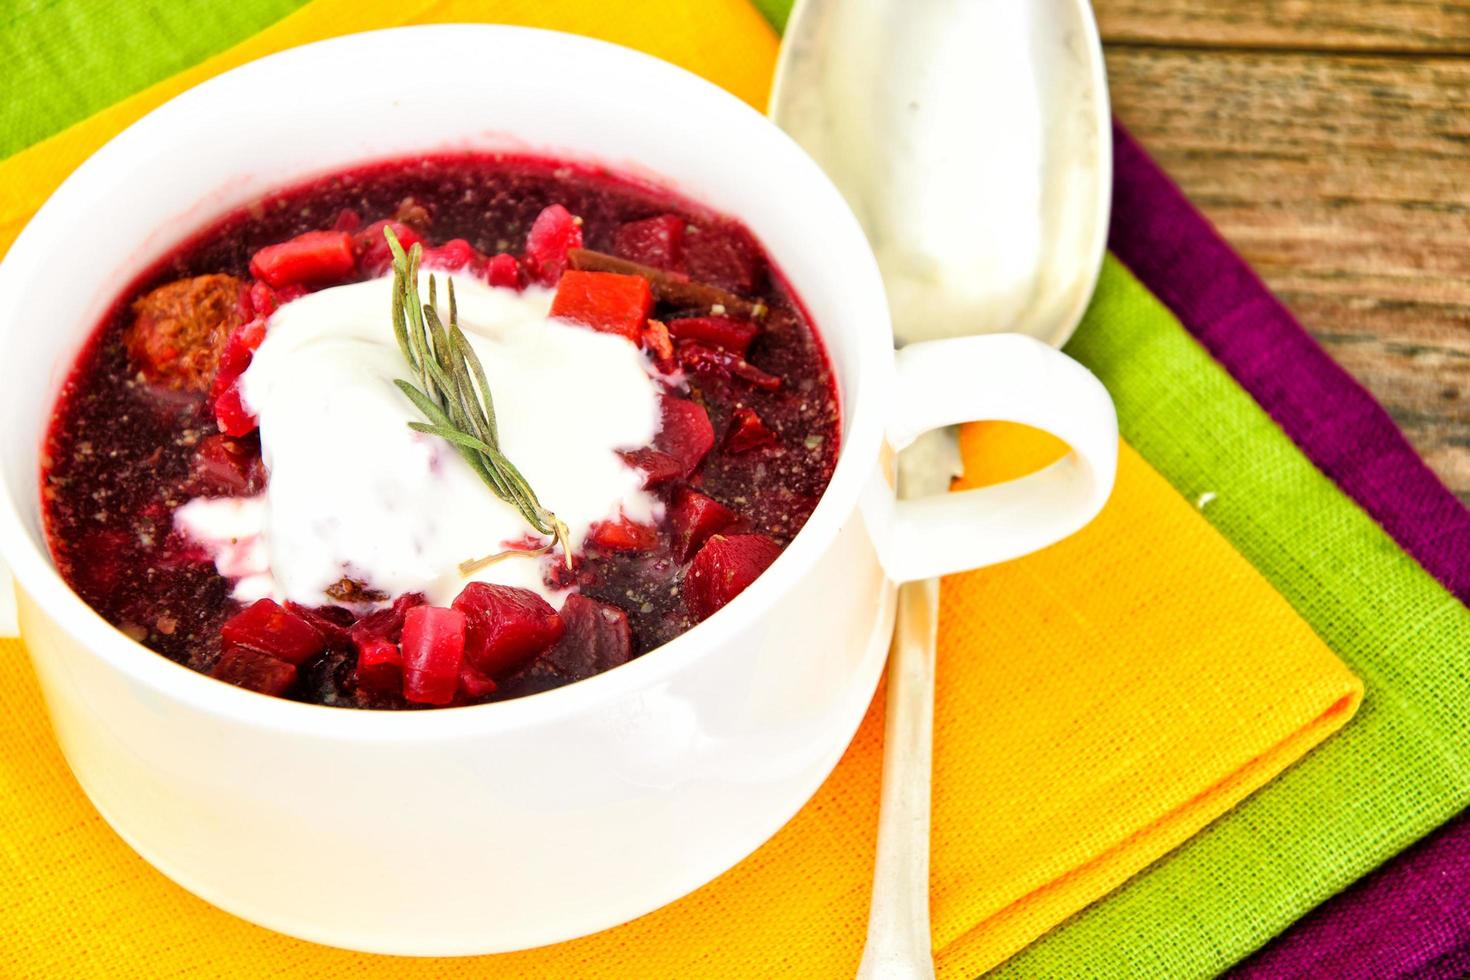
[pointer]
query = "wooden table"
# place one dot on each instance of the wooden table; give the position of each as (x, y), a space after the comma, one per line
(1329, 141)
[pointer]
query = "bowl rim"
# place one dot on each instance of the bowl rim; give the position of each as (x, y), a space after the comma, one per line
(871, 378)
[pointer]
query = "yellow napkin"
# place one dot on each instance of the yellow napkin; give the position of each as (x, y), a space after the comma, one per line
(1081, 732)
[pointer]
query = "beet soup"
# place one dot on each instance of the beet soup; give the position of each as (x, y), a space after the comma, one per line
(438, 432)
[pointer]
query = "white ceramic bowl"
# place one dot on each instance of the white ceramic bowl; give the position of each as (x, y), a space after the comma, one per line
(506, 826)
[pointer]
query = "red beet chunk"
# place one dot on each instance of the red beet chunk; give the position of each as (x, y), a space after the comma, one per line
(379, 666)
(386, 623)
(254, 671)
(453, 255)
(238, 353)
(312, 259)
(685, 436)
(656, 241)
(433, 652)
(723, 569)
(597, 637)
(604, 301)
(622, 535)
(747, 431)
(474, 684)
(657, 467)
(333, 622)
(277, 632)
(723, 332)
(724, 364)
(370, 246)
(505, 626)
(231, 415)
(226, 467)
(693, 518)
(686, 433)
(723, 255)
(503, 270)
(554, 233)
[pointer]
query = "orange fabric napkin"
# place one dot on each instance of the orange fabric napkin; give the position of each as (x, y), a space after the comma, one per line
(1098, 702)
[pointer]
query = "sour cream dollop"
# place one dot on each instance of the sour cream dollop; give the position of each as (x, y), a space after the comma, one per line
(355, 493)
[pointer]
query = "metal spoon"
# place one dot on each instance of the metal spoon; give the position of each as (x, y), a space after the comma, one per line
(972, 139)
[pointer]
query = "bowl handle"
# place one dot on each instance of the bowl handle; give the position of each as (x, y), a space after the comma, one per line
(1000, 377)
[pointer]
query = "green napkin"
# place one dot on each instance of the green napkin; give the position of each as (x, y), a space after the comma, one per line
(1399, 769)
(122, 47)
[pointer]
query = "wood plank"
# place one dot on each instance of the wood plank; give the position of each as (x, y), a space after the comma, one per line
(1345, 181)
(1346, 25)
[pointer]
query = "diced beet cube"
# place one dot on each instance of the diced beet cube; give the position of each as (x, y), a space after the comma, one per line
(505, 626)
(553, 234)
(348, 220)
(747, 431)
(453, 255)
(386, 623)
(226, 467)
(311, 259)
(433, 651)
(333, 622)
(656, 241)
(723, 569)
(724, 364)
(605, 301)
(370, 246)
(231, 415)
(278, 632)
(685, 433)
(659, 345)
(657, 467)
(379, 666)
(503, 270)
(723, 332)
(239, 351)
(622, 535)
(693, 518)
(475, 684)
(254, 671)
(597, 637)
(722, 254)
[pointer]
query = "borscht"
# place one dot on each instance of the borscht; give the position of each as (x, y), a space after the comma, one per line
(438, 432)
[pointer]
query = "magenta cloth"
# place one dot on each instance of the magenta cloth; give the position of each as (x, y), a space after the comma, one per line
(1183, 261)
(1410, 918)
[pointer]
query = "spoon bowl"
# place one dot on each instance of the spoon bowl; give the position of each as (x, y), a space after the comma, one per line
(972, 139)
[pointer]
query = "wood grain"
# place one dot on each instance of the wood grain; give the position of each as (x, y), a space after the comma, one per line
(1344, 179)
(1342, 25)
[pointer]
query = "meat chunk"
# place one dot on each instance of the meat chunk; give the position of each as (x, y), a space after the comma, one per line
(179, 330)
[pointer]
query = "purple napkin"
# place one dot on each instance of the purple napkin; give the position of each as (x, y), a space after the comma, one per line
(1183, 261)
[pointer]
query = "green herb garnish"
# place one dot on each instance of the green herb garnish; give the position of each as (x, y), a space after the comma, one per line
(454, 396)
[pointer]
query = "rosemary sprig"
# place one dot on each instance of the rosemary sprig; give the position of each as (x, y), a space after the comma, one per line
(454, 395)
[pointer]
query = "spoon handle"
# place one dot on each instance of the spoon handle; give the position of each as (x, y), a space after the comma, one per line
(899, 945)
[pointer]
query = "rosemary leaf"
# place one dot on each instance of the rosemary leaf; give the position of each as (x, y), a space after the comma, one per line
(453, 393)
